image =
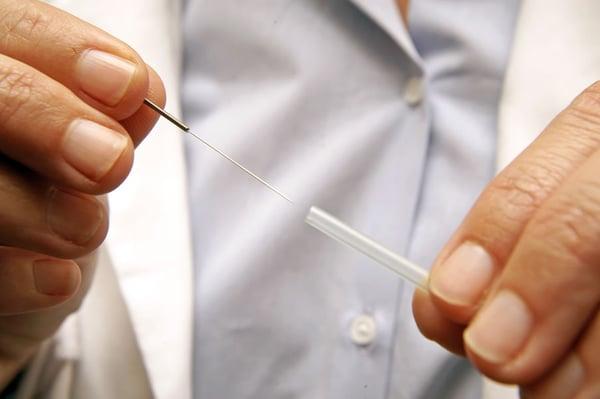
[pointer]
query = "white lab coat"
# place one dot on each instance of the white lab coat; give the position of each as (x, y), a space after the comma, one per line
(111, 348)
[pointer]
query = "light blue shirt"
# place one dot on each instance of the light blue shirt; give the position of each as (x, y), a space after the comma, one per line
(320, 100)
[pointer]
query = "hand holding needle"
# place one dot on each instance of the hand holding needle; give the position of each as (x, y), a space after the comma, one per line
(186, 129)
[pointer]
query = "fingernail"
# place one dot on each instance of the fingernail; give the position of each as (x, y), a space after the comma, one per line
(501, 329)
(91, 148)
(74, 218)
(104, 76)
(55, 277)
(562, 383)
(464, 276)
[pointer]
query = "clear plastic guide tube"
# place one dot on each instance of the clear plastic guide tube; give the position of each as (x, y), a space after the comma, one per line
(334, 228)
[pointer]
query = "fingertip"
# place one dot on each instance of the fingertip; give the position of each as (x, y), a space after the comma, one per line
(76, 178)
(434, 326)
(117, 174)
(144, 119)
(422, 312)
(458, 313)
(32, 282)
(459, 283)
(55, 281)
(156, 89)
(77, 225)
(56, 278)
(134, 94)
(114, 81)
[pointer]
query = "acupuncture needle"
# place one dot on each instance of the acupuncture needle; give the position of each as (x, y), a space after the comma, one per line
(324, 222)
(186, 129)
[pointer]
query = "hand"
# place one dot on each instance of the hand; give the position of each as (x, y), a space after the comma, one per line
(517, 288)
(70, 115)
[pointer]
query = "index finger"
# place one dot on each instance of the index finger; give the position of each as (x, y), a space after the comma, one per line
(485, 240)
(98, 68)
(548, 290)
(474, 257)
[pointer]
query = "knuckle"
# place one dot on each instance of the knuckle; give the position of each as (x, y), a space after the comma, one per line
(25, 22)
(589, 99)
(573, 225)
(584, 111)
(525, 187)
(513, 198)
(16, 90)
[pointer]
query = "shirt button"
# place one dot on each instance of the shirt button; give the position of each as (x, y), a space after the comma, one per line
(363, 330)
(414, 91)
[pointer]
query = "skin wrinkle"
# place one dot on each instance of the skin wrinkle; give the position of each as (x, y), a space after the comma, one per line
(576, 218)
(590, 98)
(555, 165)
(538, 177)
(16, 88)
(516, 196)
(566, 152)
(523, 191)
(576, 146)
(545, 277)
(584, 115)
(580, 121)
(23, 25)
(533, 183)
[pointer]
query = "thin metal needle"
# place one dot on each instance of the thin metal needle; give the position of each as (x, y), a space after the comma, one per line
(239, 165)
(167, 115)
(186, 129)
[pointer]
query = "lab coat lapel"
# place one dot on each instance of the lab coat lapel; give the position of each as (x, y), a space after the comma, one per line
(556, 54)
(149, 238)
(385, 13)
